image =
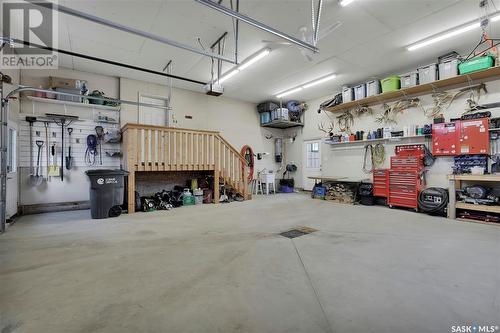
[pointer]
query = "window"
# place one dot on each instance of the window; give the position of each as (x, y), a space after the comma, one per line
(313, 158)
(11, 150)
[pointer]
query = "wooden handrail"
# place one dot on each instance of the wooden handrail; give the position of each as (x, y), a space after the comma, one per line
(139, 126)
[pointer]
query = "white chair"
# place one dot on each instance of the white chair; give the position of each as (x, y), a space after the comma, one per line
(268, 179)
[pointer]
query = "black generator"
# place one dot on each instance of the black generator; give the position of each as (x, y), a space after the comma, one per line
(365, 193)
(433, 201)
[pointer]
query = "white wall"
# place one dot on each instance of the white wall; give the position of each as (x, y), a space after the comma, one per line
(348, 160)
(237, 121)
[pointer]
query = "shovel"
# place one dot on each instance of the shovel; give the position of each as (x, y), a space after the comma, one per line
(38, 177)
(32, 179)
(69, 159)
(53, 168)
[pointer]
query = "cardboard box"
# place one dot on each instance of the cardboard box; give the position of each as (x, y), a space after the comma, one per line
(59, 82)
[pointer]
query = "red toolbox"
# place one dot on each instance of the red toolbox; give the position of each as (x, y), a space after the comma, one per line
(462, 137)
(474, 137)
(381, 183)
(445, 139)
(404, 187)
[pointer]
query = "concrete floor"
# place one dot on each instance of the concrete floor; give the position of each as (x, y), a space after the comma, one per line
(226, 269)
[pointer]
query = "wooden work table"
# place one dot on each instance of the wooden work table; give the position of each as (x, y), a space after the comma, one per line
(455, 183)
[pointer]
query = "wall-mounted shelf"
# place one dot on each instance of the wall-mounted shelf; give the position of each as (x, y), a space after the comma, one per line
(282, 124)
(402, 138)
(461, 80)
(67, 103)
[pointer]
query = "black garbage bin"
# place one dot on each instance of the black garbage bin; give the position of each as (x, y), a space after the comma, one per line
(106, 192)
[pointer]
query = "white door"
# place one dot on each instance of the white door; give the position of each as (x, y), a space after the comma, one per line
(312, 163)
(149, 115)
(12, 190)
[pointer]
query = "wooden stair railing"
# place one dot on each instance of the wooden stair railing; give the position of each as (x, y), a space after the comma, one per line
(158, 148)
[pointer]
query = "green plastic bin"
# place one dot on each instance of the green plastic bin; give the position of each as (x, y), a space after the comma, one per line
(476, 64)
(391, 83)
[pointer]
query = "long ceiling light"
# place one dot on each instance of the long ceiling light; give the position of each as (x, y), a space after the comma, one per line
(344, 3)
(244, 65)
(450, 33)
(307, 85)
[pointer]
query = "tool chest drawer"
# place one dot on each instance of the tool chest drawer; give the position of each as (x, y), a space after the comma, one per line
(380, 183)
(407, 162)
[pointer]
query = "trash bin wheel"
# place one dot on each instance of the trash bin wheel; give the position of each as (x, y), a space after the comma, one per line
(115, 211)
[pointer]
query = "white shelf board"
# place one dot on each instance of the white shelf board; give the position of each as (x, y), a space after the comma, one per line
(67, 103)
(396, 139)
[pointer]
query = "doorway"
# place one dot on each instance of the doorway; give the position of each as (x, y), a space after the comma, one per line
(312, 163)
(149, 115)
(12, 175)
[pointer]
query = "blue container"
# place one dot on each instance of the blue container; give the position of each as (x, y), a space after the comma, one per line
(319, 192)
(286, 189)
(265, 117)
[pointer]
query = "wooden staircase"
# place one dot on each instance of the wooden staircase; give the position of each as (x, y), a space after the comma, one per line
(158, 148)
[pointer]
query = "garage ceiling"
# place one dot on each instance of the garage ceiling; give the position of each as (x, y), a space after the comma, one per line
(370, 43)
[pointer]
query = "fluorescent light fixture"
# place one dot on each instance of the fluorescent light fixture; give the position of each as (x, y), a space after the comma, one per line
(450, 33)
(307, 85)
(229, 75)
(289, 92)
(344, 3)
(254, 59)
(245, 64)
(319, 81)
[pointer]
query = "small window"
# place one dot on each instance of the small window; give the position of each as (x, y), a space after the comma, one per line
(11, 150)
(313, 158)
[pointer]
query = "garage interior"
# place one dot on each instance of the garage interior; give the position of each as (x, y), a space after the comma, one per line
(250, 166)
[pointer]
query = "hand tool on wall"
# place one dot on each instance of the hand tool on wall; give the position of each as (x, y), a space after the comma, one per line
(53, 168)
(63, 121)
(47, 148)
(99, 131)
(69, 159)
(32, 179)
(38, 177)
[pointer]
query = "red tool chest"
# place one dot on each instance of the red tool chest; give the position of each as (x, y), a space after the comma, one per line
(404, 187)
(404, 176)
(462, 137)
(381, 183)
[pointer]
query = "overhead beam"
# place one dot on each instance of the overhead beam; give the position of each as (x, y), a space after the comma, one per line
(257, 24)
(118, 26)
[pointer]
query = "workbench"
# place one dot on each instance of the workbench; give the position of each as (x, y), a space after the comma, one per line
(455, 183)
(351, 180)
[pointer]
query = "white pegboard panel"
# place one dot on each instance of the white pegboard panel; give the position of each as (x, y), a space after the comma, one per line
(81, 129)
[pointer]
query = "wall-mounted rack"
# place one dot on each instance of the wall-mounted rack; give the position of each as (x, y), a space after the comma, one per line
(454, 82)
(282, 124)
(67, 103)
(401, 138)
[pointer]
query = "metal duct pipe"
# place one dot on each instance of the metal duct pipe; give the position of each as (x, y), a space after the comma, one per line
(98, 20)
(110, 62)
(258, 24)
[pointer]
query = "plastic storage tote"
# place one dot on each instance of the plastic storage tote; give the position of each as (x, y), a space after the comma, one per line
(280, 114)
(347, 94)
(360, 91)
(476, 64)
(372, 88)
(448, 68)
(391, 83)
(106, 192)
(428, 74)
(265, 117)
(409, 80)
(268, 106)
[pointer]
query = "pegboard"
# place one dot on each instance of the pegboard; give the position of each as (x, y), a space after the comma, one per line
(81, 129)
